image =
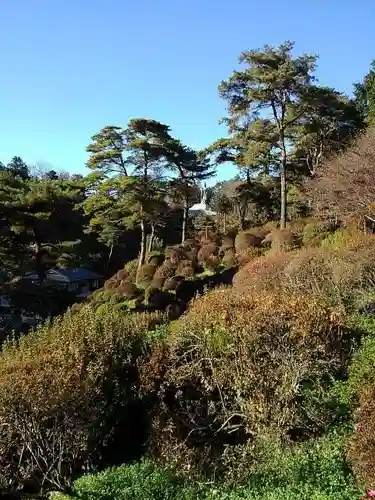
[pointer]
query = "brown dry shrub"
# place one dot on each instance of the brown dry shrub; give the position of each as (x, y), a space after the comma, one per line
(166, 270)
(338, 274)
(188, 244)
(227, 242)
(186, 271)
(128, 290)
(237, 367)
(316, 230)
(206, 251)
(110, 284)
(262, 273)
(270, 226)
(212, 262)
(174, 254)
(281, 239)
(247, 255)
(158, 282)
(66, 393)
(259, 232)
(172, 283)
(121, 274)
(245, 239)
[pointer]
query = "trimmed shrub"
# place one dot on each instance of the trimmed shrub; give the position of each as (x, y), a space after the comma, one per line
(174, 254)
(227, 242)
(212, 263)
(144, 275)
(192, 255)
(270, 226)
(189, 244)
(206, 251)
(116, 298)
(121, 275)
(186, 271)
(155, 258)
(159, 299)
(314, 230)
(172, 283)
(164, 271)
(67, 397)
(128, 290)
(282, 350)
(229, 259)
(131, 268)
(158, 282)
(149, 292)
(248, 255)
(259, 232)
(245, 239)
(281, 239)
(110, 284)
(206, 237)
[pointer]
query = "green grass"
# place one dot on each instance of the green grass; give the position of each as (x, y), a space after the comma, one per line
(312, 471)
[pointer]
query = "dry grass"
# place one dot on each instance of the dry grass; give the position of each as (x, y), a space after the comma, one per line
(340, 268)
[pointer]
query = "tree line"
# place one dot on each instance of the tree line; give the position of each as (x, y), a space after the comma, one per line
(142, 180)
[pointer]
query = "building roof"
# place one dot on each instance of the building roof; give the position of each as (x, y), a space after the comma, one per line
(69, 274)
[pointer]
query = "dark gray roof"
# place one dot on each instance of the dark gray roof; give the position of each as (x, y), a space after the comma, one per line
(76, 273)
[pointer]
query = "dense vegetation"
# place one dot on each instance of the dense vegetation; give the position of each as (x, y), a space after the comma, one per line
(227, 356)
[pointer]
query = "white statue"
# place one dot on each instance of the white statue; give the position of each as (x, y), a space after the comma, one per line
(203, 195)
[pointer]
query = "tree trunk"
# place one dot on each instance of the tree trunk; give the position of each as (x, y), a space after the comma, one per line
(152, 238)
(39, 257)
(39, 262)
(225, 223)
(283, 186)
(142, 255)
(184, 219)
(110, 254)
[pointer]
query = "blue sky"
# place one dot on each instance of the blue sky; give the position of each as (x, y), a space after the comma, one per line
(70, 67)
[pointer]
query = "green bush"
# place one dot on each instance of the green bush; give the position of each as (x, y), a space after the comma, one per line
(229, 259)
(155, 258)
(312, 471)
(144, 276)
(316, 229)
(141, 481)
(67, 397)
(131, 268)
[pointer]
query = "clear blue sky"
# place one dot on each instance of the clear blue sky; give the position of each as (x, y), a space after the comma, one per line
(70, 67)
